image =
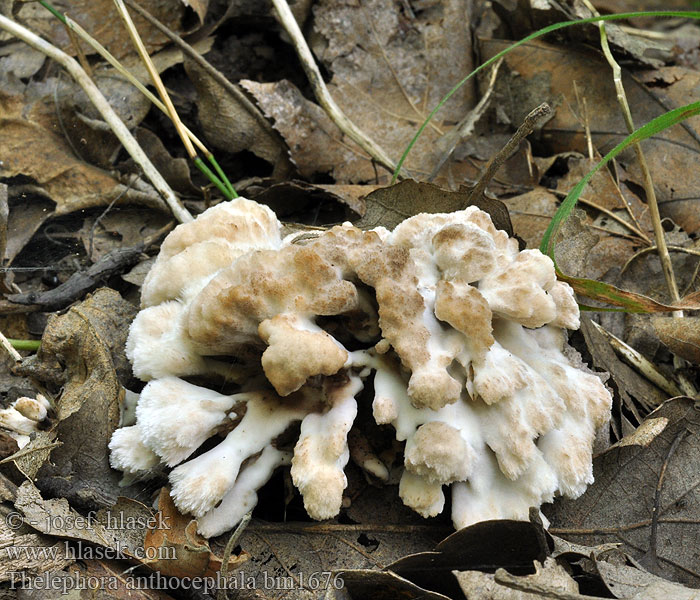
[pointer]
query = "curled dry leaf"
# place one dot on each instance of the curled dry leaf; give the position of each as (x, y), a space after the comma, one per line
(227, 124)
(89, 342)
(176, 536)
(33, 145)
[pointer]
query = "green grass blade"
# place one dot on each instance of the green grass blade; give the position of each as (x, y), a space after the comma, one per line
(32, 345)
(651, 128)
(53, 11)
(532, 36)
(199, 163)
(222, 175)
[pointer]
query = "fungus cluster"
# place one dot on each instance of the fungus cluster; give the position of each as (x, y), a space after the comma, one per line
(23, 417)
(460, 336)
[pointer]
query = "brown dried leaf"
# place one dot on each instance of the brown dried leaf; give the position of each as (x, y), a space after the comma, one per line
(101, 20)
(315, 144)
(226, 123)
(175, 171)
(484, 586)
(531, 213)
(390, 70)
(390, 205)
(32, 145)
(198, 6)
(672, 152)
(176, 536)
(620, 505)
(681, 336)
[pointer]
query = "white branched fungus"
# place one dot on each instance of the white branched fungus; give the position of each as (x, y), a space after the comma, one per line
(23, 416)
(461, 337)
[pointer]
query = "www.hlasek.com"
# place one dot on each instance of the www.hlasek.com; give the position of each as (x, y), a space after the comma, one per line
(63, 583)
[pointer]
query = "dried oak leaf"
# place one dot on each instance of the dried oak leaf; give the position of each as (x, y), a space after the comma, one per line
(668, 153)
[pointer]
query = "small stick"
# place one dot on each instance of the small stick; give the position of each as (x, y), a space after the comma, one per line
(10, 349)
(321, 91)
(232, 541)
(639, 362)
(108, 114)
(528, 126)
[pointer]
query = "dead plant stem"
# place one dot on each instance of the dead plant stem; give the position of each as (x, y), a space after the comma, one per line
(664, 255)
(108, 114)
(155, 78)
(321, 91)
(232, 89)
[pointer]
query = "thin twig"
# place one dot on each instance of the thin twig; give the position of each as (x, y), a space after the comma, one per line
(664, 255)
(620, 528)
(650, 559)
(644, 251)
(108, 114)
(230, 545)
(528, 126)
(321, 91)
